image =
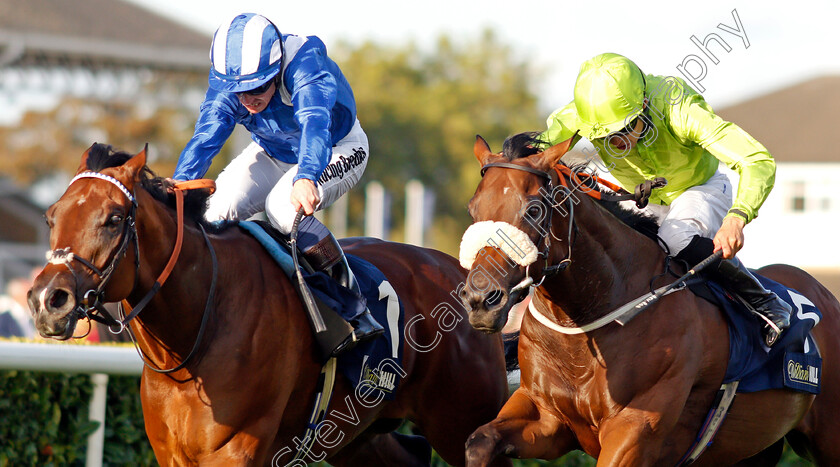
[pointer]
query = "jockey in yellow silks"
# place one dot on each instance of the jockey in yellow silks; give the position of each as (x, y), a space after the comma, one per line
(646, 126)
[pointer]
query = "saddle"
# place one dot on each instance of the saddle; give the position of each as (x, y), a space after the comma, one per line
(324, 298)
(375, 364)
(793, 362)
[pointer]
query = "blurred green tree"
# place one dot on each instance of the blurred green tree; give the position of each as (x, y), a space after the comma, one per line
(44, 142)
(422, 109)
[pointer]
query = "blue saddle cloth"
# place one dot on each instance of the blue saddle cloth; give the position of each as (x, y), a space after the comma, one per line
(376, 365)
(794, 360)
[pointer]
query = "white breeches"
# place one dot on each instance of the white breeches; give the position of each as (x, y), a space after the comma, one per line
(255, 182)
(698, 211)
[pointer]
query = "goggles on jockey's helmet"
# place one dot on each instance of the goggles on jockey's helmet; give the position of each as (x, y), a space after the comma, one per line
(246, 53)
(609, 94)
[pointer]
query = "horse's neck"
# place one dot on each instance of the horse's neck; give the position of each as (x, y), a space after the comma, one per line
(611, 264)
(251, 302)
(175, 311)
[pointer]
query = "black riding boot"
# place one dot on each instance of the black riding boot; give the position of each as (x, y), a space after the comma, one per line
(327, 256)
(736, 278)
(775, 311)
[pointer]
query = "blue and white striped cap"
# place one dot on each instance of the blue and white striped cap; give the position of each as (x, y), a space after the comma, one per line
(245, 54)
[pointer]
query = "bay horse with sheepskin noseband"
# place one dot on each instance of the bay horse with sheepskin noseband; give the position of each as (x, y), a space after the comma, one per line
(249, 371)
(636, 394)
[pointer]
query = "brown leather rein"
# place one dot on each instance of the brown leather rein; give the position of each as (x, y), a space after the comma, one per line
(641, 195)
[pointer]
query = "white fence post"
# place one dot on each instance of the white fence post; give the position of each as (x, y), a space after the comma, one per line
(96, 440)
(414, 213)
(375, 210)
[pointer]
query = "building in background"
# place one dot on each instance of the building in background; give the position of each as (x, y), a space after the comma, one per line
(799, 222)
(101, 49)
(100, 52)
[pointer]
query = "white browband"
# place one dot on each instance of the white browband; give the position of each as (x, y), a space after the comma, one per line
(107, 178)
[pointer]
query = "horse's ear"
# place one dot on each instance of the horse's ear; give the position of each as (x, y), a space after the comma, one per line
(135, 164)
(83, 167)
(481, 150)
(552, 155)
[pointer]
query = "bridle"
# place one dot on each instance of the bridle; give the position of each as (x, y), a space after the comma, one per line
(91, 306)
(552, 184)
(566, 181)
(92, 300)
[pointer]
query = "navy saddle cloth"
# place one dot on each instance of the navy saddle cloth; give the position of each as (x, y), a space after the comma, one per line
(376, 365)
(794, 360)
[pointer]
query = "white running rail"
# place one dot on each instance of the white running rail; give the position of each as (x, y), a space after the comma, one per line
(97, 360)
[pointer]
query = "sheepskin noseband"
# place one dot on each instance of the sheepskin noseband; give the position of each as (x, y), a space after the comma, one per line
(512, 241)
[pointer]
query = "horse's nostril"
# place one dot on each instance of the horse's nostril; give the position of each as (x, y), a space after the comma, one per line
(58, 299)
(493, 298)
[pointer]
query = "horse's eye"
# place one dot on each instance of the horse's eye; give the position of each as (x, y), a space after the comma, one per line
(49, 215)
(115, 220)
(534, 212)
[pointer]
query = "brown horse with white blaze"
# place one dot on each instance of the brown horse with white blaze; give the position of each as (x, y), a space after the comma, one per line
(635, 394)
(230, 315)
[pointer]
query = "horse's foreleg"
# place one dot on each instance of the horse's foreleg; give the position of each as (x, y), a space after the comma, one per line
(636, 437)
(520, 430)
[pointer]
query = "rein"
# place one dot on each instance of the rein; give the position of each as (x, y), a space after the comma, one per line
(641, 194)
(179, 189)
(207, 305)
(93, 300)
(568, 181)
(623, 314)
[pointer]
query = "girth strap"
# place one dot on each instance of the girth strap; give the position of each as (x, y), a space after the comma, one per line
(720, 407)
(323, 395)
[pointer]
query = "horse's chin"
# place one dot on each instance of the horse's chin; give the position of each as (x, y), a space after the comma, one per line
(59, 329)
(493, 330)
(489, 322)
(493, 320)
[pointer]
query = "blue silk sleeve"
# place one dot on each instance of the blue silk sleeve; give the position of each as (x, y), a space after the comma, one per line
(314, 92)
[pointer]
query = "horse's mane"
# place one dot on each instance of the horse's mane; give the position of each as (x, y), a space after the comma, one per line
(529, 143)
(103, 156)
(522, 145)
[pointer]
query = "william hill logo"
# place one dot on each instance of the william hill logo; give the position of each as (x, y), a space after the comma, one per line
(805, 374)
(383, 380)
